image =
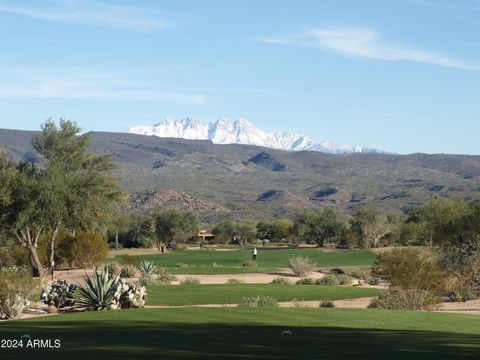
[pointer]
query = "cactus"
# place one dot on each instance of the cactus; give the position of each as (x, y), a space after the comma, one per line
(128, 295)
(58, 294)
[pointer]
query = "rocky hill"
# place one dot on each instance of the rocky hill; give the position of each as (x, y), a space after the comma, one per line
(176, 198)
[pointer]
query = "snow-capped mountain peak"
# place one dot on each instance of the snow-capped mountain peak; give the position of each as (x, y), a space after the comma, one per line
(241, 131)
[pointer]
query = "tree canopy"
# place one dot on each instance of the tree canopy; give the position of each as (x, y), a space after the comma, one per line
(172, 225)
(318, 227)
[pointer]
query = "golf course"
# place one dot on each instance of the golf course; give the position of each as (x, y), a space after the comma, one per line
(229, 260)
(235, 333)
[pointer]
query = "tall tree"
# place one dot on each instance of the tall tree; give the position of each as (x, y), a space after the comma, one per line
(274, 230)
(318, 226)
(241, 233)
(371, 225)
(86, 193)
(24, 205)
(173, 225)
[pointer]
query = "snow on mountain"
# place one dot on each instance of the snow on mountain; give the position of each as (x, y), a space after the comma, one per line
(226, 131)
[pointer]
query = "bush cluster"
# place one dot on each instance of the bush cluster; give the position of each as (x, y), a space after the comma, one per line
(164, 277)
(258, 301)
(305, 281)
(190, 281)
(327, 304)
(402, 299)
(128, 271)
(463, 294)
(408, 269)
(16, 286)
(302, 265)
(280, 280)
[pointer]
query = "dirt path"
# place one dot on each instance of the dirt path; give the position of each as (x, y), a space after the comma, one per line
(468, 307)
(251, 278)
(348, 303)
(76, 276)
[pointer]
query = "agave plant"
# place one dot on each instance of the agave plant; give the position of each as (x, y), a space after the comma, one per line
(98, 293)
(147, 268)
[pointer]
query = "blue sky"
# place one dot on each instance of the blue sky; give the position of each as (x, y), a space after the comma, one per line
(402, 76)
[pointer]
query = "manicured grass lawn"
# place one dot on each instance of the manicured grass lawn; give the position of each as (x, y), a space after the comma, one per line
(235, 333)
(269, 259)
(234, 293)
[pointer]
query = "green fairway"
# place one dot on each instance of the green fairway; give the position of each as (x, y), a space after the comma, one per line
(235, 333)
(269, 259)
(233, 293)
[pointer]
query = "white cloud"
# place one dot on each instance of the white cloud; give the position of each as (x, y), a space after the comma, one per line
(87, 83)
(96, 13)
(366, 43)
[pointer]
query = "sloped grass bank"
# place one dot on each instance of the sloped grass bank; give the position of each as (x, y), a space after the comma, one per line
(233, 293)
(235, 333)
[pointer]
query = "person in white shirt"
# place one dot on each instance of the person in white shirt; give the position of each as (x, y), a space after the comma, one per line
(254, 253)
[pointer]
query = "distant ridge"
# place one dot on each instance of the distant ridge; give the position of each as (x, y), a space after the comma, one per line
(241, 131)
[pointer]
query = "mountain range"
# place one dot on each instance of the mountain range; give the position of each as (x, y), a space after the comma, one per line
(252, 182)
(225, 131)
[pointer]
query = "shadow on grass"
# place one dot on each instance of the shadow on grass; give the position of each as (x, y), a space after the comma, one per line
(151, 340)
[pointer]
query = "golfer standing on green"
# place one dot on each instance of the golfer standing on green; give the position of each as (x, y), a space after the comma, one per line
(254, 253)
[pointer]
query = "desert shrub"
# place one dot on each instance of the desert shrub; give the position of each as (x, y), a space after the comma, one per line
(164, 277)
(21, 256)
(128, 295)
(373, 280)
(190, 281)
(58, 294)
(327, 304)
(128, 271)
(344, 279)
(357, 274)
(408, 269)
(114, 268)
(147, 268)
(258, 301)
(337, 271)
(88, 249)
(249, 263)
(16, 286)
(463, 294)
(401, 299)
(298, 303)
(306, 281)
(280, 280)
(329, 280)
(302, 266)
(235, 281)
(7, 258)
